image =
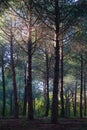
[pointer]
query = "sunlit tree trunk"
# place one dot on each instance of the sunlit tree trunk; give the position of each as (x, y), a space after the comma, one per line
(54, 115)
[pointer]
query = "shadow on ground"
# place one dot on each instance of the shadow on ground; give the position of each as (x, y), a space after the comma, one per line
(42, 124)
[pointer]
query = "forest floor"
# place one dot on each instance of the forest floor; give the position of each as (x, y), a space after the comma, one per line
(43, 124)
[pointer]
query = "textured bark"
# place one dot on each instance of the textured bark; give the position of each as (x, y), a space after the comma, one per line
(14, 80)
(3, 85)
(54, 115)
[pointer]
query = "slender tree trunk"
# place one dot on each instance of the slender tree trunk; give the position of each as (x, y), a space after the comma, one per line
(66, 104)
(29, 83)
(3, 84)
(75, 102)
(69, 110)
(29, 77)
(14, 80)
(62, 69)
(54, 115)
(25, 95)
(81, 89)
(11, 103)
(47, 86)
(84, 94)
(61, 94)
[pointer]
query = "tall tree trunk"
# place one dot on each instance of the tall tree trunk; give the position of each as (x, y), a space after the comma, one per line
(84, 94)
(29, 82)
(81, 89)
(14, 80)
(75, 101)
(47, 86)
(3, 85)
(54, 115)
(29, 76)
(61, 94)
(25, 95)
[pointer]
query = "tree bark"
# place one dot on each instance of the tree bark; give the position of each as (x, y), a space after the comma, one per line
(14, 80)
(29, 69)
(54, 115)
(11, 103)
(61, 94)
(81, 89)
(75, 102)
(85, 94)
(25, 95)
(29, 82)
(47, 86)
(3, 85)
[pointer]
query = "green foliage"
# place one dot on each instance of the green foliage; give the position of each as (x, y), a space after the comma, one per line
(7, 112)
(20, 105)
(39, 107)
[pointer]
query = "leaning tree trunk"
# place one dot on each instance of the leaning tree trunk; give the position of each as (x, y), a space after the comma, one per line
(47, 86)
(81, 89)
(3, 85)
(54, 115)
(14, 80)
